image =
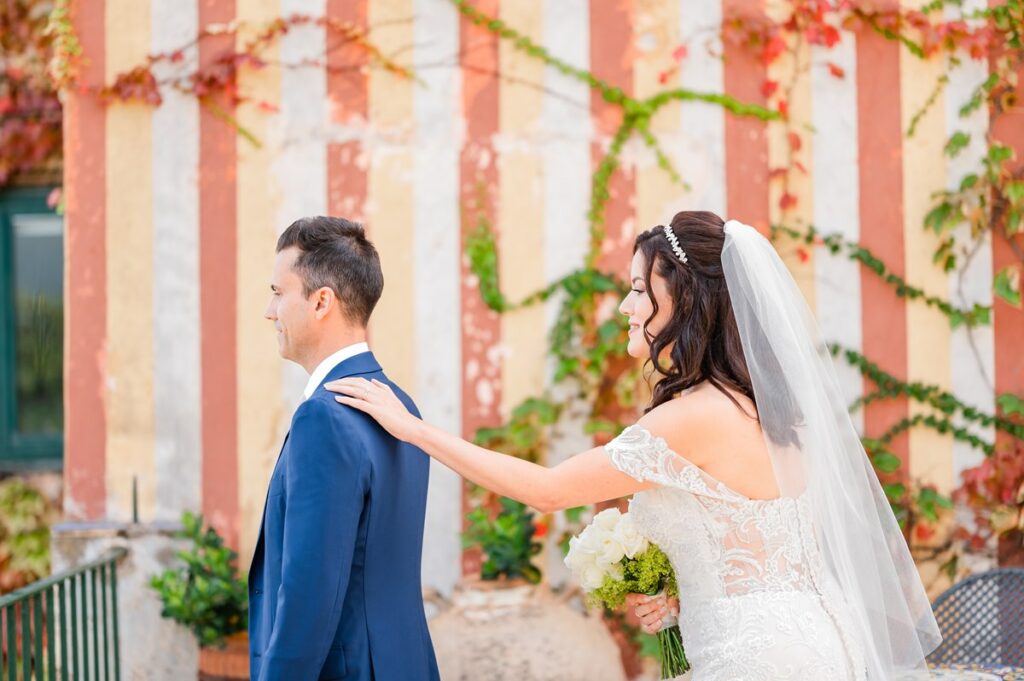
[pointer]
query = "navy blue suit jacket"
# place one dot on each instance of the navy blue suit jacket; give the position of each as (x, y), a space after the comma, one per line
(334, 587)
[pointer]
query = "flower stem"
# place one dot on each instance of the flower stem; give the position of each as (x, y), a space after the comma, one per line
(673, 657)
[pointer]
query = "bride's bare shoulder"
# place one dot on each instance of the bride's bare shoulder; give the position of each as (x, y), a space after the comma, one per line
(697, 417)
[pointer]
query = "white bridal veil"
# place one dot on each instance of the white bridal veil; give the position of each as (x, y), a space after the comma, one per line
(816, 451)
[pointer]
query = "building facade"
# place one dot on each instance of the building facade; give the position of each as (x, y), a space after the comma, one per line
(175, 397)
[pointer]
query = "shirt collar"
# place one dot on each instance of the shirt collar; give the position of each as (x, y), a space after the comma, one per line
(324, 368)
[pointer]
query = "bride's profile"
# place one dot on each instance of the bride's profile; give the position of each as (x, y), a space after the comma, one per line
(745, 468)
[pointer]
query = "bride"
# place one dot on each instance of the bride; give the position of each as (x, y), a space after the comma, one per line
(745, 469)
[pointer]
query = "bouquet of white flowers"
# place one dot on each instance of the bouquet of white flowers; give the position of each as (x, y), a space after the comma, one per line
(610, 558)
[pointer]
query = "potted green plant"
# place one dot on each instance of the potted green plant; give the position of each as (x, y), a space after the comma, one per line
(207, 595)
(507, 542)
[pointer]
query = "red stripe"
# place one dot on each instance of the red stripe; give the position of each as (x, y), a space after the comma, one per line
(611, 59)
(217, 276)
(881, 224)
(478, 184)
(347, 92)
(85, 434)
(1008, 128)
(746, 138)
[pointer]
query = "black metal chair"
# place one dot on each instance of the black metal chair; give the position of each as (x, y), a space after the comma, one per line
(982, 620)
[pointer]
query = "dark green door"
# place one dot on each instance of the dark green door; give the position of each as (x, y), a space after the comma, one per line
(31, 331)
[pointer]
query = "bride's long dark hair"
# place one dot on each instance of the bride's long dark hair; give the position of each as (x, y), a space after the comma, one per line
(701, 335)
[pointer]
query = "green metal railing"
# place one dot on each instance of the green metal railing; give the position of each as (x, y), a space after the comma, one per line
(64, 626)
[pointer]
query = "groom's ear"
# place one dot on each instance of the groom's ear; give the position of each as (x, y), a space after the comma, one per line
(324, 300)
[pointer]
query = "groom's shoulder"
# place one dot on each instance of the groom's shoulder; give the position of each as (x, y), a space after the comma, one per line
(321, 409)
(400, 394)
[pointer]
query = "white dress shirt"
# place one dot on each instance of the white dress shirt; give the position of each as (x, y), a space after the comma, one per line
(324, 368)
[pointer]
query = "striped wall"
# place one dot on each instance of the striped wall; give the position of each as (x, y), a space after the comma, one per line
(174, 387)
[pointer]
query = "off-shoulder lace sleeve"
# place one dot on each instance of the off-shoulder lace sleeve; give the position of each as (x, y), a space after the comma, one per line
(647, 458)
(638, 454)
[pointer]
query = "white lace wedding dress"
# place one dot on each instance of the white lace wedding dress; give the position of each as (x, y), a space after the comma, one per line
(756, 601)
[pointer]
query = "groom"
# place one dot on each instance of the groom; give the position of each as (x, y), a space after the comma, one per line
(334, 587)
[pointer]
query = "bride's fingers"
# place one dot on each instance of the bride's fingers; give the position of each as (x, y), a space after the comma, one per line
(348, 385)
(651, 627)
(354, 403)
(648, 609)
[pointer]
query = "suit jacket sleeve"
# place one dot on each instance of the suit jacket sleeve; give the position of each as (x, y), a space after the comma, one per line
(326, 483)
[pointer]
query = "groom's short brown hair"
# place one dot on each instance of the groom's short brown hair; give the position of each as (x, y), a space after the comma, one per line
(336, 254)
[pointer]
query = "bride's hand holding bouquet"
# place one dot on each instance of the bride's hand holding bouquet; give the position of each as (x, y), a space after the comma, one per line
(614, 562)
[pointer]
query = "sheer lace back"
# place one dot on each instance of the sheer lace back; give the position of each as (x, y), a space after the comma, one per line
(752, 541)
(726, 547)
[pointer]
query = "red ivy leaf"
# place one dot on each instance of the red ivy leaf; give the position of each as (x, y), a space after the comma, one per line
(776, 173)
(823, 34)
(787, 201)
(836, 70)
(794, 141)
(803, 254)
(784, 108)
(680, 53)
(773, 49)
(769, 87)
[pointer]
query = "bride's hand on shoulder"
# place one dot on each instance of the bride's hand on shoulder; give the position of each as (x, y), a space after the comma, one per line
(379, 401)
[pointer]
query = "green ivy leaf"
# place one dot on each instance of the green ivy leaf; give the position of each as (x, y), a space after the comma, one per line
(1006, 285)
(894, 491)
(968, 182)
(887, 462)
(1014, 190)
(1010, 404)
(999, 153)
(957, 143)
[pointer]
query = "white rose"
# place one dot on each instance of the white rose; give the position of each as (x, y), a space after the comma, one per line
(578, 556)
(612, 550)
(629, 537)
(592, 578)
(592, 539)
(607, 519)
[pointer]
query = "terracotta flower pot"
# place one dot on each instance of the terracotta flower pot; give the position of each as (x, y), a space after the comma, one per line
(228, 664)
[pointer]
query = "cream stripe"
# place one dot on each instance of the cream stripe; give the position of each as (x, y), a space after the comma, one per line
(177, 382)
(437, 337)
(129, 281)
(924, 171)
(263, 415)
(701, 154)
(299, 168)
(836, 204)
(799, 101)
(520, 208)
(656, 35)
(972, 351)
(389, 206)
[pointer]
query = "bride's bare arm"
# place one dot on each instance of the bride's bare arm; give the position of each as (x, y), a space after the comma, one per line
(586, 478)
